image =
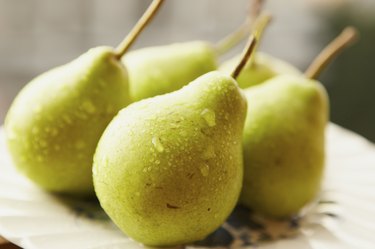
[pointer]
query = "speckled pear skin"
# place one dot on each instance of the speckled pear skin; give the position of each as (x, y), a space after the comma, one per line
(258, 70)
(56, 121)
(157, 70)
(284, 145)
(168, 170)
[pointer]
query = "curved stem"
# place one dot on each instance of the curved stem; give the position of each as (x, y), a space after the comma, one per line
(245, 56)
(347, 37)
(234, 38)
(260, 25)
(137, 29)
(231, 40)
(255, 10)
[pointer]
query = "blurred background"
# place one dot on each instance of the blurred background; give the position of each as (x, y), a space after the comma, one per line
(36, 35)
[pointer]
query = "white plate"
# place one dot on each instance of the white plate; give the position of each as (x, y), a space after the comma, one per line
(343, 219)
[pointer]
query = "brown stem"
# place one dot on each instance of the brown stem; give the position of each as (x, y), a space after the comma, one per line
(249, 48)
(137, 29)
(347, 37)
(231, 40)
(234, 38)
(260, 25)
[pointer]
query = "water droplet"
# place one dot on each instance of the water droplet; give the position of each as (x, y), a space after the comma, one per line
(183, 133)
(209, 152)
(54, 132)
(209, 116)
(37, 109)
(35, 130)
(39, 158)
(205, 169)
(67, 119)
(174, 125)
(43, 143)
(102, 83)
(81, 115)
(88, 106)
(157, 144)
(80, 144)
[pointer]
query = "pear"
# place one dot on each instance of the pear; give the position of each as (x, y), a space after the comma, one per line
(261, 68)
(284, 145)
(55, 122)
(162, 69)
(168, 170)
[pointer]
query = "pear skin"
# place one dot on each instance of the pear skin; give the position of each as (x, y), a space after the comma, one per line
(284, 145)
(55, 122)
(168, 170)
(260, 69)
(157, 70)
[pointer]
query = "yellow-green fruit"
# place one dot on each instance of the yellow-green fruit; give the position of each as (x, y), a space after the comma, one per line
(163, 69)
(55, 122)
(284, 145)
(168, 170)
(258, 70)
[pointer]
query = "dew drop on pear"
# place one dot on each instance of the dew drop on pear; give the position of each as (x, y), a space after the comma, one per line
(209, 152)
(209, 116)
(204, 169)
(157, 144)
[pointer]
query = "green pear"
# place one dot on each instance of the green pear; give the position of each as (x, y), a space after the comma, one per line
(284, 137)
(168, 170)
(55, 122)
(284, 145)
(260, 69)
(162, 69)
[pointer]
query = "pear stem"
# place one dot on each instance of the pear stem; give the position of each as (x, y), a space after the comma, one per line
(256, 7)
(231, 40)
(246, 54)
(347, 37)
(234, 38)
(147, 16)
(259, 26)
